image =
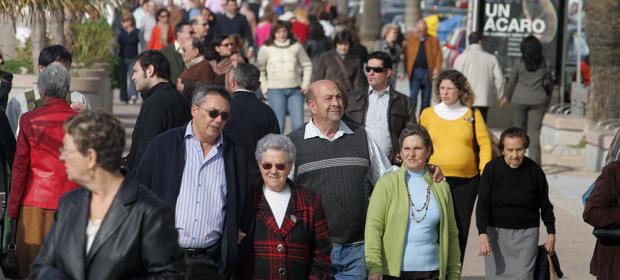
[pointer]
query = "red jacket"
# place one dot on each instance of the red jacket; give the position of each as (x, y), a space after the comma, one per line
(300, 249)
(39, 177)
(300, 30)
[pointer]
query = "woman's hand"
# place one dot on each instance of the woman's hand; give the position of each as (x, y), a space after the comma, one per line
(503, 101)
(485, 247)
(375, 276)
(550, 244)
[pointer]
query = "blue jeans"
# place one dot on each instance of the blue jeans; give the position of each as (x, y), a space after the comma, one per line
(283, 100)
(131, 86)
(348, 261)
(420, 80)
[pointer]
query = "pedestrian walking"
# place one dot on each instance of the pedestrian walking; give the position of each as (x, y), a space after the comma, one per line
(174, 52)
(128, 41)
(285, 74)
(162, 33)
(526, 93)
(341, 66)
(461, 143)
(411, 229)
(288, 218)
(113, 224)
(512, 198)
(482, 72)
(423, 63)
(390, 44)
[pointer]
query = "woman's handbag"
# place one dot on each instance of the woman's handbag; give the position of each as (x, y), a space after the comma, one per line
(547, 267)
(10, 267)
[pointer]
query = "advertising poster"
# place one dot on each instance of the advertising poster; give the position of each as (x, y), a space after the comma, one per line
(507, 22)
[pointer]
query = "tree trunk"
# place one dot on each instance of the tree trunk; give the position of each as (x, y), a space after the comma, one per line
(413, 13)
(8, 42)
(342, 6)
(56, 24)
(37, 35)
(70, 18)
(602, 25)
(370, 25)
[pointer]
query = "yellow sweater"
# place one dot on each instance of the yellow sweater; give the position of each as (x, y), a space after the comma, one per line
(453, 143)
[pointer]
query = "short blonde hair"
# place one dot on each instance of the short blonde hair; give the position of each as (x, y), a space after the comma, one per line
(460, 82)
(387, 28)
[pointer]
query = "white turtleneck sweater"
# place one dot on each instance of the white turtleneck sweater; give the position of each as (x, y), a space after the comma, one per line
(450, 112)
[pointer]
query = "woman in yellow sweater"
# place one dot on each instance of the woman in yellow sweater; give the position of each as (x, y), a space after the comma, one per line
(454, 126)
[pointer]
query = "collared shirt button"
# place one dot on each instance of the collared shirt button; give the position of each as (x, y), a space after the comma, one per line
(280, 247)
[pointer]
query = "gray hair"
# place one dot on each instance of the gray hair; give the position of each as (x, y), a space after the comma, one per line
(201, 93)
(247, 76)
(420, 131)
(54, 81)
(275, 142)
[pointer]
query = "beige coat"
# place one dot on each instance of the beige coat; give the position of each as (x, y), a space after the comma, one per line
(285, 66)
(483, 73)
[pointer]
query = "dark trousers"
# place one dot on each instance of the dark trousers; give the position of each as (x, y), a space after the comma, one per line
(420, 80)
(203, 265)
(464, 193)
(415, 275)
(529, 118)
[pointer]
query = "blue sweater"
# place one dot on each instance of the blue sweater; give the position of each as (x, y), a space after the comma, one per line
(422, 239)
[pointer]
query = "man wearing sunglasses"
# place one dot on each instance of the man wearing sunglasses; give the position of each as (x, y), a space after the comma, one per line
(382, 110)
(163, 108)
(202, 173)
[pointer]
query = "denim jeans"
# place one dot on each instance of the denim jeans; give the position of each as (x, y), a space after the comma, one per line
(420, 80)
(131, 86)
(283, 100)
(348, 261)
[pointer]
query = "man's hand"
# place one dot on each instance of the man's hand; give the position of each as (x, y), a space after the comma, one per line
(80, 107)
(240, 236)
(503, 101)
(485, 247)
(550, 244)
(435, 73)
(375, 276)
(401, 76)
(437, 174)
(180, 86)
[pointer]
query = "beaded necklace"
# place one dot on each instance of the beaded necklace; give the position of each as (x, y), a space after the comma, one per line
(424, 207)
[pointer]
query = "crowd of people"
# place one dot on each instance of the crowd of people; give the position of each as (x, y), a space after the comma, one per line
(212, 189)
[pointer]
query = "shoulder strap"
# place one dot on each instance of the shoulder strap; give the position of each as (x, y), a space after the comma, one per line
(475, 138)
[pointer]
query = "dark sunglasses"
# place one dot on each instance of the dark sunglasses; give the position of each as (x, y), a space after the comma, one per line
(214, 113)
(376, 69)
(269, 165)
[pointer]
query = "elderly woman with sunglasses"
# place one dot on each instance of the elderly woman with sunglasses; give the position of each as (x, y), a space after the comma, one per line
(411, 230)
(290, 236)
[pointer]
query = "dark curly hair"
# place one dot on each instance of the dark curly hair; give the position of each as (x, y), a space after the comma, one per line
(532, 53)
(513, 132)
(100, 131)
(460, 82)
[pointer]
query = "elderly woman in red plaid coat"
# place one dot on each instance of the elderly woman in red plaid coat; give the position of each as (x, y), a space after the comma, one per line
(290, 237)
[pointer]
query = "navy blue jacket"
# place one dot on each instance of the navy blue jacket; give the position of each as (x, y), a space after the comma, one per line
(161, 171)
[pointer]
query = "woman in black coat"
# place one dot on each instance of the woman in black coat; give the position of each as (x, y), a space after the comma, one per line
(112, 228)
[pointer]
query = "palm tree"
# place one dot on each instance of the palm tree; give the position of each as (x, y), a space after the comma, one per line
(413, 13)
(38, 10)
(370, 25)
(604, 43)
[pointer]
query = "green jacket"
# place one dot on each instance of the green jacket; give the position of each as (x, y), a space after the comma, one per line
(386, 226)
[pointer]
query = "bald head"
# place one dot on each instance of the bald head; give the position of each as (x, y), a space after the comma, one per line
(319, 86)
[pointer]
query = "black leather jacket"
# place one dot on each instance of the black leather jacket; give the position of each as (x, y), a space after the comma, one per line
(137, 239)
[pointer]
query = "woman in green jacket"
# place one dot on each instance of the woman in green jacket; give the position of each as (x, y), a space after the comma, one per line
(411, 231)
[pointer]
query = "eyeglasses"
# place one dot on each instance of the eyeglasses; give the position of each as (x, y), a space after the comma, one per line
(214, 113)
(269, 166)
(376, 69)
(227, 45)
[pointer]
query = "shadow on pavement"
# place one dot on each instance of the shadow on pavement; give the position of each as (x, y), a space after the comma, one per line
(551, 169)
(472, 278)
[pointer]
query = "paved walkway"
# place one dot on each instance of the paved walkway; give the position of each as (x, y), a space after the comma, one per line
(567, 181)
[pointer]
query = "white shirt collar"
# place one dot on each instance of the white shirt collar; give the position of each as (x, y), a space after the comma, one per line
(195, 61)
(177, 47)
(370, 90)
(313, 131)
